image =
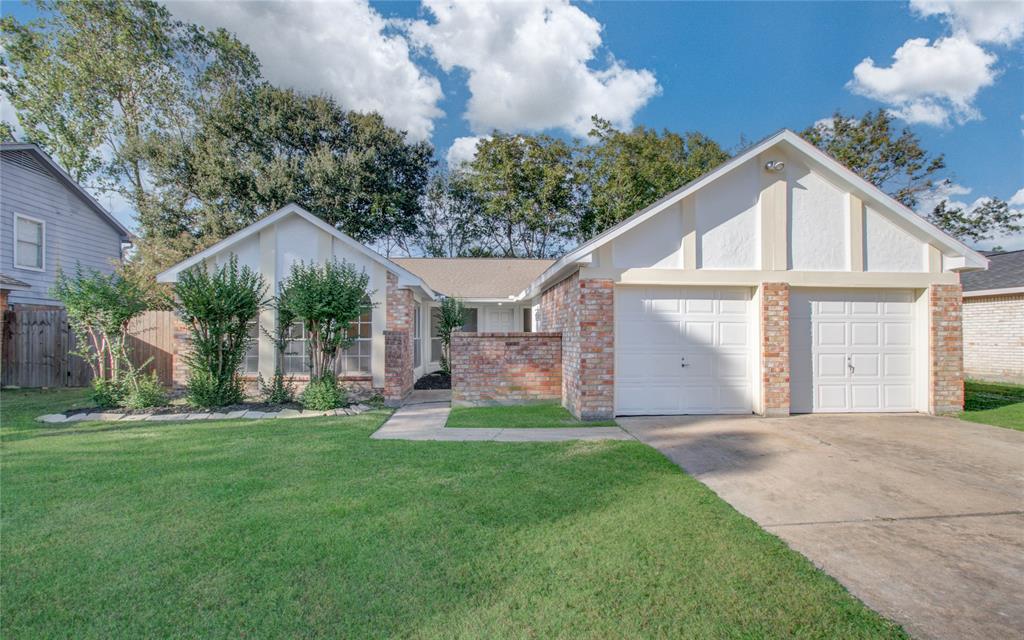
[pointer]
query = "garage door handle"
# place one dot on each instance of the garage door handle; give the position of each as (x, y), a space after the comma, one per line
(849, 363)
(682, 362)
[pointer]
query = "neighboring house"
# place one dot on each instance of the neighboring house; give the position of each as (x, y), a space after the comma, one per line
(48, 222)
(779, 282)
(994, 319)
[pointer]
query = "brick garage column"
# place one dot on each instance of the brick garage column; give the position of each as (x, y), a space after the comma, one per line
(775, 349)
(945, 349)
(596, 317)
(398, 356)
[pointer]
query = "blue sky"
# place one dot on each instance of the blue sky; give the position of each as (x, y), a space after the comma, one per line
(448, 72)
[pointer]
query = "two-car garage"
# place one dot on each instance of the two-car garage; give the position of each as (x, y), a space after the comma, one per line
(695, 350)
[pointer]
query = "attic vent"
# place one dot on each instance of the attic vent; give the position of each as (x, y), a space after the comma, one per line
(25, 160)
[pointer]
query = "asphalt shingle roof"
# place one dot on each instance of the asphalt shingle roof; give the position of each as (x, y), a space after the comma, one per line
(476, 277)
(1005, 271)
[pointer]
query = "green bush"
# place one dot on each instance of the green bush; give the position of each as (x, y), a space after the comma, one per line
(217, 306)
(145, 391)
(281, 390)
(323, 393)
(106, 393)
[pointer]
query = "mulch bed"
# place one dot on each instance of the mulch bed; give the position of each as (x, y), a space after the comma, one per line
(436, 380)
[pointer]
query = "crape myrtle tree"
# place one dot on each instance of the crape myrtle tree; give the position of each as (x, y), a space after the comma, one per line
(217, 305)
(452, 316)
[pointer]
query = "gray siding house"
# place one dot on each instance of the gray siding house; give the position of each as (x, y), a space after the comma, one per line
(48, 221)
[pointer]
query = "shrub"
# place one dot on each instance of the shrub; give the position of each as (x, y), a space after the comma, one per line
(324, 393)
(326, 298)
(281, 390)
(99, 308)
(217, 306)
(106, 393)
(453, 316)
(145, 391)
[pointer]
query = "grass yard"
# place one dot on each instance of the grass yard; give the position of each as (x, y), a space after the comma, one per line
(997, 404)
(307, 528)
(537, 416)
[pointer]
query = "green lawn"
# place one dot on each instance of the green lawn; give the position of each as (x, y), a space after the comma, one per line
(1001, 405)
(307, 528)
(537, 416)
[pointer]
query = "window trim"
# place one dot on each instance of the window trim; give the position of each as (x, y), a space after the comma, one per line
(42, 225)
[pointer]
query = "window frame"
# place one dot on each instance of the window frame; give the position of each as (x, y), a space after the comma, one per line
(340, 364)
(42, 240)
(255, 347)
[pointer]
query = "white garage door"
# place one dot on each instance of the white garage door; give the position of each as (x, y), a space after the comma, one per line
(851, 351)
(683, 350)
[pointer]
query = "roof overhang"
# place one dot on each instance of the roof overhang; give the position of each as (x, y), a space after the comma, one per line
(965, 258)
(71, 183)
(406, 279)
(1005, 291)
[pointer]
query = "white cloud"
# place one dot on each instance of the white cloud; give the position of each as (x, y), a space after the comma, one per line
(929, 83)
(998, 22)
(949, 192)
(9, 115)
(462, 150)
(1017, 199)
(338, 48)
(927, 201)
(529, 65)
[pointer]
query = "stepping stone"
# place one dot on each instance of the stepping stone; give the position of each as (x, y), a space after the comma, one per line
(218, 416)
(52, 418)
(234, 415)
(136, 417)
(198, 416)
(289, 413)
(361, 408)
(254, 415)
(79, 417)
(270, 415)
(167, 417)
(106, 416)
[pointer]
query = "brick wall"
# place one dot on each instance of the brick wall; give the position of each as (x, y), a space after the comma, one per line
(398, 374)
(945, 349)
(994, 338)
(506, 368)
(398, 343)
(775, 385)
(582, 310)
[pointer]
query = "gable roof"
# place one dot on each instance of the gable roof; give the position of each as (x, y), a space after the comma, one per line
(10, 284)
(971, 258)
(405, 278)
(477, 278)
(68, 182)
(1005, 273)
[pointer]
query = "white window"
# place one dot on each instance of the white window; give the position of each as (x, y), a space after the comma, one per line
(355, 361)
(251, 365)
(435, 329)
(417, 336)
(295, 346)
(29, 243)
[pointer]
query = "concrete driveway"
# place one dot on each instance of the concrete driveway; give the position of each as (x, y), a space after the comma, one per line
(922, 518)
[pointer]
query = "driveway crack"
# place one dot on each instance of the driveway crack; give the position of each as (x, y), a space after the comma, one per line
(980, 514)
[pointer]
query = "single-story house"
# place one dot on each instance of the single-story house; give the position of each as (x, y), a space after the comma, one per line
(994, 319)
(48, 222)
(779, 282)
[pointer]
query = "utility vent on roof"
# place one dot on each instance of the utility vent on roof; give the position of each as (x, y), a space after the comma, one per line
(25, 160)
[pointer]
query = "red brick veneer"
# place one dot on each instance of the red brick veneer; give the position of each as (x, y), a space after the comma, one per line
(945, 349)
(506, 368)
(775, 385)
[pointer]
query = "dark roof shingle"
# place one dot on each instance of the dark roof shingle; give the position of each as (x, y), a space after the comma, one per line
(1005, 271)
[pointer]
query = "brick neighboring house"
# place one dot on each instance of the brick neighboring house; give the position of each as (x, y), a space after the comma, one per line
(993, 319)
(778, 283)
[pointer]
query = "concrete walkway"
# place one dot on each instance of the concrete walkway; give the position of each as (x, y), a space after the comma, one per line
(920, 517)
(424, 415)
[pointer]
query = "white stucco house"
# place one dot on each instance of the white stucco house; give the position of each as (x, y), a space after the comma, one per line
(779, 282)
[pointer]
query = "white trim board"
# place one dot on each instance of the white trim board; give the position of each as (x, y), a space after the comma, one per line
(971, 260)
(405, 278)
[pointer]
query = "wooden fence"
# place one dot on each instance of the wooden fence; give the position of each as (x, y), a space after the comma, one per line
(36, 348)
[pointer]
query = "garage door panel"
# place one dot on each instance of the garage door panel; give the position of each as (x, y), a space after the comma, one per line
(865, 397)
(705, 328)
(865, 365)
(831, 334)
(854, 353)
